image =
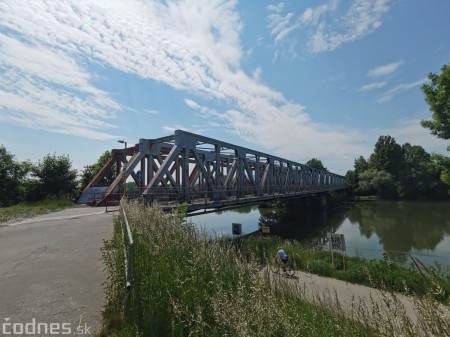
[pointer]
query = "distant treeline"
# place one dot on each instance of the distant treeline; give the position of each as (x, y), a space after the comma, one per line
(52, 177)
(400, 171)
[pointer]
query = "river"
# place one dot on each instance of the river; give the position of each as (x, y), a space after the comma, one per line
(399, 229)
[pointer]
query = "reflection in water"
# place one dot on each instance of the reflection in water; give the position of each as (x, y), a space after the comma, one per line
(397, 228)
(403, 227)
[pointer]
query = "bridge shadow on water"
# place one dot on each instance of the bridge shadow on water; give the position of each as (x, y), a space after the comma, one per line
(301, 223)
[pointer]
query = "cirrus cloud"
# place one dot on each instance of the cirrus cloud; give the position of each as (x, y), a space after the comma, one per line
(331, 25)
(384, 70)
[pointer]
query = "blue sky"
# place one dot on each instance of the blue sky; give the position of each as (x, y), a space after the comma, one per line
(297, 79)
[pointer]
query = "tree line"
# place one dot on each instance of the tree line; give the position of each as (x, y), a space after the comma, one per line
(400, 171)
(51, 177)
(408, 171)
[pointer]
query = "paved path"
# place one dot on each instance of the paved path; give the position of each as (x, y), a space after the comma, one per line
(51, 271)
(361, 302)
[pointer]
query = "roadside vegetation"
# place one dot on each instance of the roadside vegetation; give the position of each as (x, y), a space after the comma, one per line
(51, 177)
(184, 284)
(29, 209)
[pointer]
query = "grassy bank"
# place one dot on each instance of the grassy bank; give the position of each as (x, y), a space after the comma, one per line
(379, 274)
(29, 209)
(185, 285)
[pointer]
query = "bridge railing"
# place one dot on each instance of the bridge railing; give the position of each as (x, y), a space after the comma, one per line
(197, 198)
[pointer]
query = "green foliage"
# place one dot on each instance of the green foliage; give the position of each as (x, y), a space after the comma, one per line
(55, 176)
(405, 171)
(12, 173)
(360, 164)
(316, 163)
(445, 173)
(181, 210)
(437, 95)
(387, 156)
(379, 182)
(91, 170)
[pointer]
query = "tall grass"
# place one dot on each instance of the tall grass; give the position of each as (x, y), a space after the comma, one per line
(183, 284)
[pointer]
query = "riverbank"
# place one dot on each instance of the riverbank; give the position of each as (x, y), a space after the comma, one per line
(381, 274)
(371, 229)
(184, 284)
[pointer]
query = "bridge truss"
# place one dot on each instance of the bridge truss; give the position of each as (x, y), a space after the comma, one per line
(205, 172)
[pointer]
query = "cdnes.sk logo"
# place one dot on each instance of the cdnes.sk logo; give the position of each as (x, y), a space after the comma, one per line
(35, 328)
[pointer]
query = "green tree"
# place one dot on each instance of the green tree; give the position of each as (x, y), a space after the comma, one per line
(445, 174)
(352, 177)
(387, 156)
(415, 179)
(316, 163)
(55, 176)
(437, 95)
(91, 170)
(406, 171)
(439, 167)
(377, 181)
(12, 173)
(360, 164)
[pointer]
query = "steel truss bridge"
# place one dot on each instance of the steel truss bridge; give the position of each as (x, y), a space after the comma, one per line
(208, 173)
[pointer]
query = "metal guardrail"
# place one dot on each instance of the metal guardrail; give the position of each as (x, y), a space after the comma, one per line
(128, 254)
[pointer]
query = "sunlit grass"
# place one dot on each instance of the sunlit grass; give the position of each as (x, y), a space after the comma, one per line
(29, 209)
(183, 284)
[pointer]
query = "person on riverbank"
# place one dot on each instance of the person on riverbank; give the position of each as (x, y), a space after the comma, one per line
(283, 256)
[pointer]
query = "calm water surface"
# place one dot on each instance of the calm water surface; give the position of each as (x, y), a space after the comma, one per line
(400, 229)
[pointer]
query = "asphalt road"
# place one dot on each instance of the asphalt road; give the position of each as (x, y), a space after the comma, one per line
(52, 273)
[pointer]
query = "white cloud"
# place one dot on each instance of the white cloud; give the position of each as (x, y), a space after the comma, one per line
(372, 86)
(45, 89)
(385, 69)
(204, 111)
(192, 104)
(326, 32)
(257, 74)
(171, 129)
(399, 89)
(152, 112)
(362, 18)
(188, 45)
(281, 25)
